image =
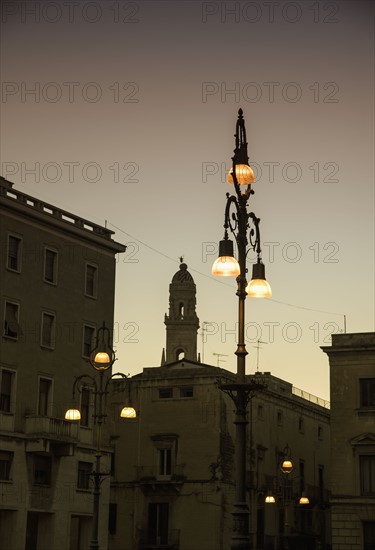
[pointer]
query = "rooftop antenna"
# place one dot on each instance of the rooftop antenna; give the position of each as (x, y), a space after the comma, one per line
(204, 330)
(219, 355)
(258, 347)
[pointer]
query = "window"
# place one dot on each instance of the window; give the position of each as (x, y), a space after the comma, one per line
(50, 266)
(6, 384)
(320, 432)
(165, 462)
(42, 470)
(301, 476)
(301, 425)
(14, 253)
(368, 535)
(181, 310)
(83, 478)
(6, 460)
(180, 354)
(44, 396)
(321, 482)
(91, 280)
(88, 340)
(165, 393)
(112, 518)
(367, 392)
(260, 412)
(11, 318)
(48, 330)
(85, 407)
(367, 474)
(157, 526)
(186, 391)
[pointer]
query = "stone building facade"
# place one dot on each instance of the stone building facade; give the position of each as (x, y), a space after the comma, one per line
(173, 475)
(352, 378)
(57, 278)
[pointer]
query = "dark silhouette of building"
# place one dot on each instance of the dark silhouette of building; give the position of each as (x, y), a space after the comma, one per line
(352, 378)
(173, 476)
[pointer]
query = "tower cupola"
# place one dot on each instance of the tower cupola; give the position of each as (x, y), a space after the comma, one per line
(182, 323)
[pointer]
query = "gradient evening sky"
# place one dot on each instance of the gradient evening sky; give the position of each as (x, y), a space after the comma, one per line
(157, 86)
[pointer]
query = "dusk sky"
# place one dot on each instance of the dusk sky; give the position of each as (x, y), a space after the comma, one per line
(131, 123)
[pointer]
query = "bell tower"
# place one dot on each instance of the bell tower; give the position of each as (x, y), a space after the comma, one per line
(181, 323)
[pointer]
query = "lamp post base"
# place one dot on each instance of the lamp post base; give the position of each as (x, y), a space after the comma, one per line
(240, 531)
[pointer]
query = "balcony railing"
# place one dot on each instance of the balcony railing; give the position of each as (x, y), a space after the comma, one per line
(167, 541)
(312, 398)
(51, 428)
(152, 472)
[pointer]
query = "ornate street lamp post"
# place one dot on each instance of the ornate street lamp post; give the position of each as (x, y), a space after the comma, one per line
(244, 226)
(101, 359)
(286, 468)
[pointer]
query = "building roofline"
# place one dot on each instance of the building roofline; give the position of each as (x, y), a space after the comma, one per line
(351, 342)
(279, 387)
(52, 215)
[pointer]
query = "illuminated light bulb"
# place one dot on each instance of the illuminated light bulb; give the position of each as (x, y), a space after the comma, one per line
(72, 414)
(287, 466)
(258, 287)
(244, 174)
(128, 412)
(226, 266)
(102, 357)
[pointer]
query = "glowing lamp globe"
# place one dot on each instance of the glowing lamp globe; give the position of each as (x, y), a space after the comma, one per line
(244, 174)
(72, 415)
(258, 287)
(270, 499)
(226, 266)
(304, 500)
(128, 412)
(101, 361)
(287, 466)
